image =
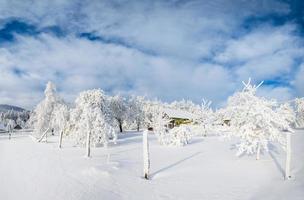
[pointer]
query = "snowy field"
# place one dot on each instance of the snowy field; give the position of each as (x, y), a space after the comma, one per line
(205, 169)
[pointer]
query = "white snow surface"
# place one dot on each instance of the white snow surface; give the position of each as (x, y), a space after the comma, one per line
(207, 168)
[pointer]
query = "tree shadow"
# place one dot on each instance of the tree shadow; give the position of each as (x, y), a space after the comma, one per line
(174, 164)
(196, 141)
(125, 135)
(134, 140)
(5, 136)
(277, 163)
(298, 128)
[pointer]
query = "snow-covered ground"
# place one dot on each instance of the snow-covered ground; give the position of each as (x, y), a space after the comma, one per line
(205, 169)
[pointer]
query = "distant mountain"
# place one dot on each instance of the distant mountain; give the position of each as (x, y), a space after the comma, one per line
(5, 107)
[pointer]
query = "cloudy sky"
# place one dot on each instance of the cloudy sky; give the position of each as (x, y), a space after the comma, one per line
(166, 49)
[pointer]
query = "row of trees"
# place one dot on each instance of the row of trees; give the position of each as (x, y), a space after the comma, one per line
(255, 120)
(53, 112)
(14, 118)
(94, 110)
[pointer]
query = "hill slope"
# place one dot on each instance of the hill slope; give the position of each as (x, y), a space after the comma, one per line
(5, 107)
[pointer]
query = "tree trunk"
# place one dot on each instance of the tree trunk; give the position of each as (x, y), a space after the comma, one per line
(288, 156)
(88, 144)
(120, 127)
(60, 139)
(258, 152)
(138, 126)
(146, 158)
(205, 135)
(44, 135)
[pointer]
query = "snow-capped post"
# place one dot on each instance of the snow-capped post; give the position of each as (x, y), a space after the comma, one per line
(288, 156)
(60, 139)
(8, 127)
(146, 158)
(258, 152)
(88, 144)
(9, 133)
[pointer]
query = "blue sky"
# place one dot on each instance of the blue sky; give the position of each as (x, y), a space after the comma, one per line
(165, 49)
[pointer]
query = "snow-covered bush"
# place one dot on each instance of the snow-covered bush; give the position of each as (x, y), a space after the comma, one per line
(178, 136)
(88, 117)
(205, 119)
(299, 104)
(254, 120)
(43, 115)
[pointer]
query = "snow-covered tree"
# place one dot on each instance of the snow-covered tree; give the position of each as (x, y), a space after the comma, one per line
(186, 105)
(118, 110)
(159, 124)
(88, 120)
(153, 112)
(60, 120)
(135, 111)
(299, 104)
(205, 118)
(42, 117)
(254, 121)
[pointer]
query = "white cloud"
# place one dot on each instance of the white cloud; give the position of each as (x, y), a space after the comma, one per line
(262, 41)
(195, 55)
(267, 52)
(190, 29)
(78, 64)
(281, 94)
